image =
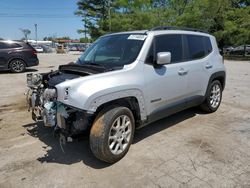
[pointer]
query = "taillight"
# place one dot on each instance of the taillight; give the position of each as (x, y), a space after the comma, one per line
(34, 52)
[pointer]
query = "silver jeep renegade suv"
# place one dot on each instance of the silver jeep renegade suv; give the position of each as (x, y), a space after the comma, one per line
(126, 80)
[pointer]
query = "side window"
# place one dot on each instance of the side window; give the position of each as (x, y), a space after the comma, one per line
(170, 43)
(195, 46)
(150, 56)
(2, 45)
(9, 45)
(14, 45)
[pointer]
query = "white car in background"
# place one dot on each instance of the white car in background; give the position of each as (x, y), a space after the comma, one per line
(39, 49)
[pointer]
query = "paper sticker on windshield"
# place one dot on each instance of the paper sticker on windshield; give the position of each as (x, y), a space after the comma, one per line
(137, 37)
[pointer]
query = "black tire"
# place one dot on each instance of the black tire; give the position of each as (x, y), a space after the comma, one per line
(206, 105)
(101, 130)
(17, 66)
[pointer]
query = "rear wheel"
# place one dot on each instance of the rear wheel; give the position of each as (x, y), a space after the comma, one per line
(112, 133)
(17, 65)
(213, 98)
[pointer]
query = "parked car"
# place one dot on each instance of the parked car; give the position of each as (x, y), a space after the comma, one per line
(72, 48)
(16, 56)
(227, 49)
(81, 48)
(47, 49)
(127, 80)
(38, 48)
(241, 50)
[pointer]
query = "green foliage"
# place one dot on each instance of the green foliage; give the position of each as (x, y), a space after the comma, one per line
(228, 20)
(237, 26)
(54, 38)
(85, 40)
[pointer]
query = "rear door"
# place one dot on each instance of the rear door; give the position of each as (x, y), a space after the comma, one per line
(198, 62)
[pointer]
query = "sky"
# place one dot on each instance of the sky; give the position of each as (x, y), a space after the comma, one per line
(53, 18)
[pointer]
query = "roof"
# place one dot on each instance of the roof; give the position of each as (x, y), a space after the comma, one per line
(11, 41)
(164, 30)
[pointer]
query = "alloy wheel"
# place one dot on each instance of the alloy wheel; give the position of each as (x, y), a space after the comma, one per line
(17, 66)
(120, 134)
(215, 96)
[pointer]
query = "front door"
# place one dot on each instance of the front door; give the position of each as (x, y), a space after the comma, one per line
(3, 55)
(165, 85)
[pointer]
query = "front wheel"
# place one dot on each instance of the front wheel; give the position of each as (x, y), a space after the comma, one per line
(112, 133)
(213, 98)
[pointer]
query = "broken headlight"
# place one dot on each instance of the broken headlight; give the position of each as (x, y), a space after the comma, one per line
(49, 94)
(34, 80)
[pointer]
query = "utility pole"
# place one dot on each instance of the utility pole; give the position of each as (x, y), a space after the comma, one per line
(36, 32)
(109, 14)
(85, 26)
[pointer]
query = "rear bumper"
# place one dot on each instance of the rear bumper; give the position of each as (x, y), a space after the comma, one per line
(32, 62)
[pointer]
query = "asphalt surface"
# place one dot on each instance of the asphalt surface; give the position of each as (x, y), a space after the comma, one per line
(188, 149)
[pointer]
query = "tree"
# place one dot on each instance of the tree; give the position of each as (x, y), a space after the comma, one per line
(26, 32)
(48, 38)
(228, 20)
(95, 15)
(85, 40)
(63, 38)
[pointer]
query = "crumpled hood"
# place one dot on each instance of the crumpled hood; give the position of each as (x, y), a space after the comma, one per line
(71, 71)
(61, 77)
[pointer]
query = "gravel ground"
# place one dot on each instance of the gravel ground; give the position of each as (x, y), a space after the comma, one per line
(188, 149)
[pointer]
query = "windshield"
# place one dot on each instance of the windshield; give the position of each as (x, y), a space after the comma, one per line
(113, 51)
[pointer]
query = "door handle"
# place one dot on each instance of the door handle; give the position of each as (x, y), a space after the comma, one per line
(209, 66)
(182, 72)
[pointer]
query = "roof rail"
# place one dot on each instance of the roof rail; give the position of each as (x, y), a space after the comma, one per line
(177, 28)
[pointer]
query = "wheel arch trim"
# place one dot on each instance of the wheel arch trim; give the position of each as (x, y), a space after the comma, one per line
(216, 75)
(97, 102)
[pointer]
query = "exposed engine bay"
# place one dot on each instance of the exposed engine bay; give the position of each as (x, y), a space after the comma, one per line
(42, 99)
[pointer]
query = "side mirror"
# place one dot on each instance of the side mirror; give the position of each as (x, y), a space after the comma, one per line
(163, 58)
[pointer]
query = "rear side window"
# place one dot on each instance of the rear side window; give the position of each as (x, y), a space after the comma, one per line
(198, 46)
(14, 45)
(170, 43)
(1, 45)
(208, 45)
(6, 45)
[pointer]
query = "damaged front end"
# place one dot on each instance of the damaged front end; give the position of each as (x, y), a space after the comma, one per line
(42, 100)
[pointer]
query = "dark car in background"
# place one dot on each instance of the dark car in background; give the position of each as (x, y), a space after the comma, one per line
(81, 48)
(227, 49)
(241, 50)
(16, 56)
